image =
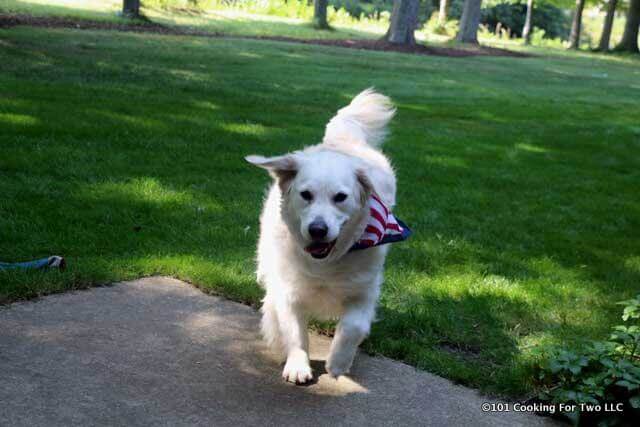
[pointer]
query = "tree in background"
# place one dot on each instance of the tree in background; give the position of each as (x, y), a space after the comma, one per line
(469, 21)
(605, 38)
(629, 42)
(576, 25)
(320, 14)
(442, 13)
(527, 30)
(131, 8)
(404, 20)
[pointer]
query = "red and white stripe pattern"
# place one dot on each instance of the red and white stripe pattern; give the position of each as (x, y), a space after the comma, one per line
(381, 223)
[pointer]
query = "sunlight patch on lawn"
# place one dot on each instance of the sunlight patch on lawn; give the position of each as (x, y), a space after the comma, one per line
(206, 105)
(252, 129)
(539, 340)
(447, 161)
(234, 15)
(18, 119)
(102, 10)
(486, 115)
(633, 263)
(250, 55)
(494, 281)
(294, 55)
(547, 267)
(188, 75)
(560, 72)
(101, 5)
(223, 19)
(149, 190)
(531, 148)
(90, 5)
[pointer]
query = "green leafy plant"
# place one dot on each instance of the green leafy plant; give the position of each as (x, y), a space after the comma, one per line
(602, 379)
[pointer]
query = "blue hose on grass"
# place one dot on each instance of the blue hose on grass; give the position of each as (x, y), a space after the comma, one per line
(38, 264)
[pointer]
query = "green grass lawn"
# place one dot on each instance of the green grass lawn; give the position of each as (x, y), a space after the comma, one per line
(520, 177)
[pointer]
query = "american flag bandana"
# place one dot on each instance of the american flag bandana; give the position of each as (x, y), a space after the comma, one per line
(382, 227)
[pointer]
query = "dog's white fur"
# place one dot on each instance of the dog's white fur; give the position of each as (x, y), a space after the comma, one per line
(344, 285)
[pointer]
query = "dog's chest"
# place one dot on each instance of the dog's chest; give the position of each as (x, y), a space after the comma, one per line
(329, 298)
(325, 301)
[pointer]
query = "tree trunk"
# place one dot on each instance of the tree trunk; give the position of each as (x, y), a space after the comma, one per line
(131, 8)
(526, 31)
(320, 14)
(576, 25)
(404, 20)
(442, 14)
(469, 21)
(605, 38)
(629, 41)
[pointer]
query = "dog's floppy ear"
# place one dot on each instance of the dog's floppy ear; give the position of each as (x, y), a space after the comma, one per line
(282, 168)
(366, 186)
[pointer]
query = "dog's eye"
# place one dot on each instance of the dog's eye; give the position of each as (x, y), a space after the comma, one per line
(340, 197)
(306, 195)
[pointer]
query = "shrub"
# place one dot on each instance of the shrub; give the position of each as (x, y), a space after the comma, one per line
(371, 9)
(450, 27)
(178, 4)
(539, 38)
(547, 17)
(602, 374)
(353, 7)
(553, 20)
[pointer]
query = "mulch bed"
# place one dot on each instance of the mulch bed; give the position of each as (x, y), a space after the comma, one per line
(417, 49)
(13, 20)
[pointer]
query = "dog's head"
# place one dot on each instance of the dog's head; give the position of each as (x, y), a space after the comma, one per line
(324, 198)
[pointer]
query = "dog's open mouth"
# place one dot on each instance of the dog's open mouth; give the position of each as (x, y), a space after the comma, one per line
(320, 250)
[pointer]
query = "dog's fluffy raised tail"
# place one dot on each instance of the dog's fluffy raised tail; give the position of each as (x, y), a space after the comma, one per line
(364, 120)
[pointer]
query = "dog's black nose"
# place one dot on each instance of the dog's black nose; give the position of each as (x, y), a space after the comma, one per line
(318, 229)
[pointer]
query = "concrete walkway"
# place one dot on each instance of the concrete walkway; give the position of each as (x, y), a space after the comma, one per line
(157, 351)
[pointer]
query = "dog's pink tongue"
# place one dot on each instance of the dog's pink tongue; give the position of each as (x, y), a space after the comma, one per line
(317, 248)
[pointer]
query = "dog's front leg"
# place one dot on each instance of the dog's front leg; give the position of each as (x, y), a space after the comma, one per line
(352, 329)
(293, 329)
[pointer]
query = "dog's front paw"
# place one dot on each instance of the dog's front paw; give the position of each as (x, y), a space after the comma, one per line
(338, 364)
(297, 371)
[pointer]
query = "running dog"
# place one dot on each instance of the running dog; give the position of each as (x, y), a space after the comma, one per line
(323, 231)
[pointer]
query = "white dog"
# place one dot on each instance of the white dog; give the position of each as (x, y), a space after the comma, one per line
(318, 212)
